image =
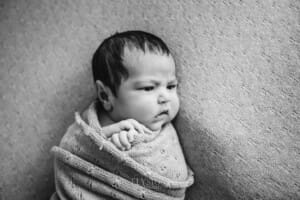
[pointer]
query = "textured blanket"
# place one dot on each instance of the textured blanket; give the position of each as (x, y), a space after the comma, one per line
(88, 166)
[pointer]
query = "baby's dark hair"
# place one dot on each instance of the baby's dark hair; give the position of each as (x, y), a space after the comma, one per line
(107, 60)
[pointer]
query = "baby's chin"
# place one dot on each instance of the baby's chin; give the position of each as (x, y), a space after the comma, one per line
(156, 127)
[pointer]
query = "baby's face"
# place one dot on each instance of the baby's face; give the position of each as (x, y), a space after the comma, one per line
(149, 95)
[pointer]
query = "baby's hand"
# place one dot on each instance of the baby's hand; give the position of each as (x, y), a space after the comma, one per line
(123, 139)
(122, 133)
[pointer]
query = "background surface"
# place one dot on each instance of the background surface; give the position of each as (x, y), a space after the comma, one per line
(239, 67)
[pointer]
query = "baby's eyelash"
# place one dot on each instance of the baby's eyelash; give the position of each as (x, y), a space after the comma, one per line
(172, 86)
(147, 88)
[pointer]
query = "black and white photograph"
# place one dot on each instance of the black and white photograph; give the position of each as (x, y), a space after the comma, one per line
(150, 99)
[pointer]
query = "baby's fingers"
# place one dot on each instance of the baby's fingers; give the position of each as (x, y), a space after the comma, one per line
(124, 140)
(126, 125)
(138, 126)
(132, 124)
(116, 141)
(147, 130)
(131, 134)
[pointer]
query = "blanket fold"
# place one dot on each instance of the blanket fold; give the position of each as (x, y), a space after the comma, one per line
(88, 166)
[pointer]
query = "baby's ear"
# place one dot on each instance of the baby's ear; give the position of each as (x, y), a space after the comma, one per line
(104, 94)
(102, 91)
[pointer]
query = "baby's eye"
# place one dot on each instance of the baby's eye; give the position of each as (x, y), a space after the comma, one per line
(147, 88)
(173, 86)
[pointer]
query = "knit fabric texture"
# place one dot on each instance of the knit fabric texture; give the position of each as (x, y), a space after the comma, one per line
(88, 166)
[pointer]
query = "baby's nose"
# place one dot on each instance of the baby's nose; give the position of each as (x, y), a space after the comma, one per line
(161, 100)
(164, 97)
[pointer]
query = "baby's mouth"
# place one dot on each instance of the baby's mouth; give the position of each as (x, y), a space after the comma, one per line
(164, 112)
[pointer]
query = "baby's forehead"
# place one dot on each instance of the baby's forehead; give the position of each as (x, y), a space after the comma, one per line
(140, 64)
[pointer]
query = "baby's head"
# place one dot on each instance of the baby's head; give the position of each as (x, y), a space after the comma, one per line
(135, 78)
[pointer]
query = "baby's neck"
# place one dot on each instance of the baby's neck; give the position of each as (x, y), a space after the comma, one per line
(104, 118)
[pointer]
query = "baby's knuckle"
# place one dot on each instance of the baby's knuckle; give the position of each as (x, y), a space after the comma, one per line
(113, 137)
(132, 120)
(124, 123)
(123, 133)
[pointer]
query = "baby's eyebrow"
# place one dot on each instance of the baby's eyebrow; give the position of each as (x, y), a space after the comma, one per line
(155, 82)
(139, 83)
(146, 82)
(174, 81)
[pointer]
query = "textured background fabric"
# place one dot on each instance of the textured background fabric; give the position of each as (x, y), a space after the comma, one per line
(239, 66)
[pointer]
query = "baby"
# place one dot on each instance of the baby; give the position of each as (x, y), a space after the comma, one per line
(132, 151)
(137, 86)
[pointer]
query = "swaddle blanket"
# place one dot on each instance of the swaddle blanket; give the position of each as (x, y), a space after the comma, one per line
(88, 166)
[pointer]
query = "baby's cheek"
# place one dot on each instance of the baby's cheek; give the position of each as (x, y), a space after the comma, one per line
(175, 107)
(143, 109)
(176, 101)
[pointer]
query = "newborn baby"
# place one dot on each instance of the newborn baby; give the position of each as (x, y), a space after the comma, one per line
(136, 83)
